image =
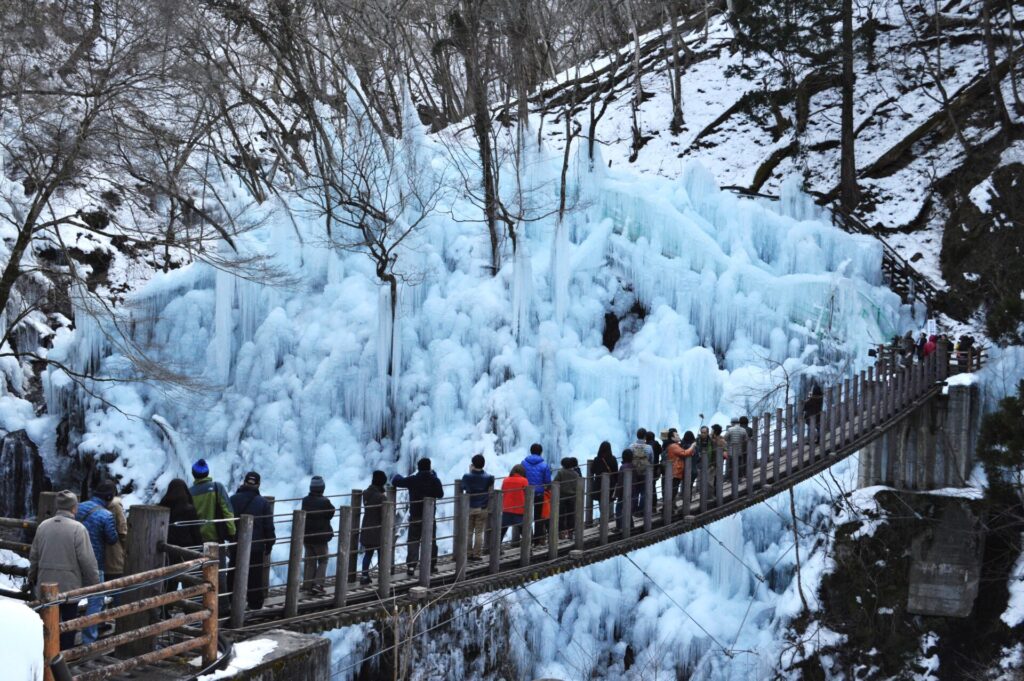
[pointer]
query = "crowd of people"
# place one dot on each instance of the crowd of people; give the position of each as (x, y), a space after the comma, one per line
(905, 350)
(84, 543)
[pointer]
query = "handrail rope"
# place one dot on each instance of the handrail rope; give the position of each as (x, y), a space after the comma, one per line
(121, 590)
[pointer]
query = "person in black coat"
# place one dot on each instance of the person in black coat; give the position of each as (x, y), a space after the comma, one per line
(373, 517)
(248, 501)
(319, 511)
(423, 484)
(605, 462)
(183, 527)
(812, 408)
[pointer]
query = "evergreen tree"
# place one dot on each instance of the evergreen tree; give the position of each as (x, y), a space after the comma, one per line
(1001, 449)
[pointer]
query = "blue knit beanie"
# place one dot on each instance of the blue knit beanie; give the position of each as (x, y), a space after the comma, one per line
(200, 469)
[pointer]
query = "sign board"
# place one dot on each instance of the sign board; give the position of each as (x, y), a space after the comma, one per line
(932, 328)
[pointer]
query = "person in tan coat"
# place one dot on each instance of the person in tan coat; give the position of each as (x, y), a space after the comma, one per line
(62, 554)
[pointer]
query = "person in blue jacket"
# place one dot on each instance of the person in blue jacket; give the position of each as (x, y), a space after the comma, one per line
(538, 474)
(102, 533)
(477, 485)
(424, 483)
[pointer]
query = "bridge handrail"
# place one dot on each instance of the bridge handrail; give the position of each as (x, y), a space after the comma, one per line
(206, 616)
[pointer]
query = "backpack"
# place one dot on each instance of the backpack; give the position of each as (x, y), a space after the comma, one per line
(640, 461)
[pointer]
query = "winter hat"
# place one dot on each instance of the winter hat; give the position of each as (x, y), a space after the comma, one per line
(380, 478)
(106, 490)
(423, 464)
(735, 420)
(200, 469)
(478, 461)
(316, 485)
(66, 500)
(252, 478)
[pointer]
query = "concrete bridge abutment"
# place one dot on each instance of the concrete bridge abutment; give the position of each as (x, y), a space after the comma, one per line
(931, 447)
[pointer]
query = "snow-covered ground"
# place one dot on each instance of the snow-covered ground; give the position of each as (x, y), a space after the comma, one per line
(21, 642)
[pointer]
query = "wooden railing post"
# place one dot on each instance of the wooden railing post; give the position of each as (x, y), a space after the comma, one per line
(827, 411)
(267, 558)
(47, 506)
(705, 466)
(751, 455)
(526, 533)
(343, 559)
(51, 627)
(589, 484)
(801, 435)
(789, 439)
(240, 587)
(627, 502)
(353, 555)
(386, 558)
(495, 521)
(147, 529)
(210, 575)
(777, 452)
(603, 504)
(719, 473)
(553, 519)
(667, 502)
(427, 540)
(578, 526)
(687, 484)
(766, 420)
(648, 497)
(294, 578)
(460, 530)
(735, 457)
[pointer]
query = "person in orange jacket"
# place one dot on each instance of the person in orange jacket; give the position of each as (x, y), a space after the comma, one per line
(678, 453)
(513, 501)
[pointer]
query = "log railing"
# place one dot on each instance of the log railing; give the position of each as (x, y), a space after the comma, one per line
(198, 627)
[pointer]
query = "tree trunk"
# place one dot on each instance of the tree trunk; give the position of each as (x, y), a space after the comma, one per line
(993, 74)
(677, 74)
(848, 160)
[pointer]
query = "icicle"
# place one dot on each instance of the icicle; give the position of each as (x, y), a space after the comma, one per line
(223, 325)
(522, 293)
(561, 272)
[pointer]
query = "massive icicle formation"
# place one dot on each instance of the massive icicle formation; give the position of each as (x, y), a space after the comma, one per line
(735, 296)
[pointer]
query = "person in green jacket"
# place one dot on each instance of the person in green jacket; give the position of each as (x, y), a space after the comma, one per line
(212, 503)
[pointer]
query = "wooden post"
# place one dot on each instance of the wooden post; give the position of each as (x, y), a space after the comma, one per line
(490, 510)
(353, 546)
(343, 559)
(777, 452)
(210, 575)
(667, 502)
(704, 468)
(589, 485)
(719, 473)
(294, 578)
(627, 502)
(497, 502)
(603, 504)
(239, 591)
(460, 530)
(578, 526)
(271, 502)
(735, 457)
(47, 506)
(147, 528)
(648, 497)
(789, 439)
(827, 413)
(386, 558)
(51, 625)
(751, 455)
(553, 520)
(687, 484)
(844, 427)
(764, 448)
(858, 404)
(427, 541)
(801, 434)
(526, 533)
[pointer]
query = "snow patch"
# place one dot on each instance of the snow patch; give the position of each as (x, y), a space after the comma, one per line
(21, 641)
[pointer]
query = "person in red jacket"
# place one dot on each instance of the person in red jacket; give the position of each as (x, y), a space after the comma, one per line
(513, 501)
